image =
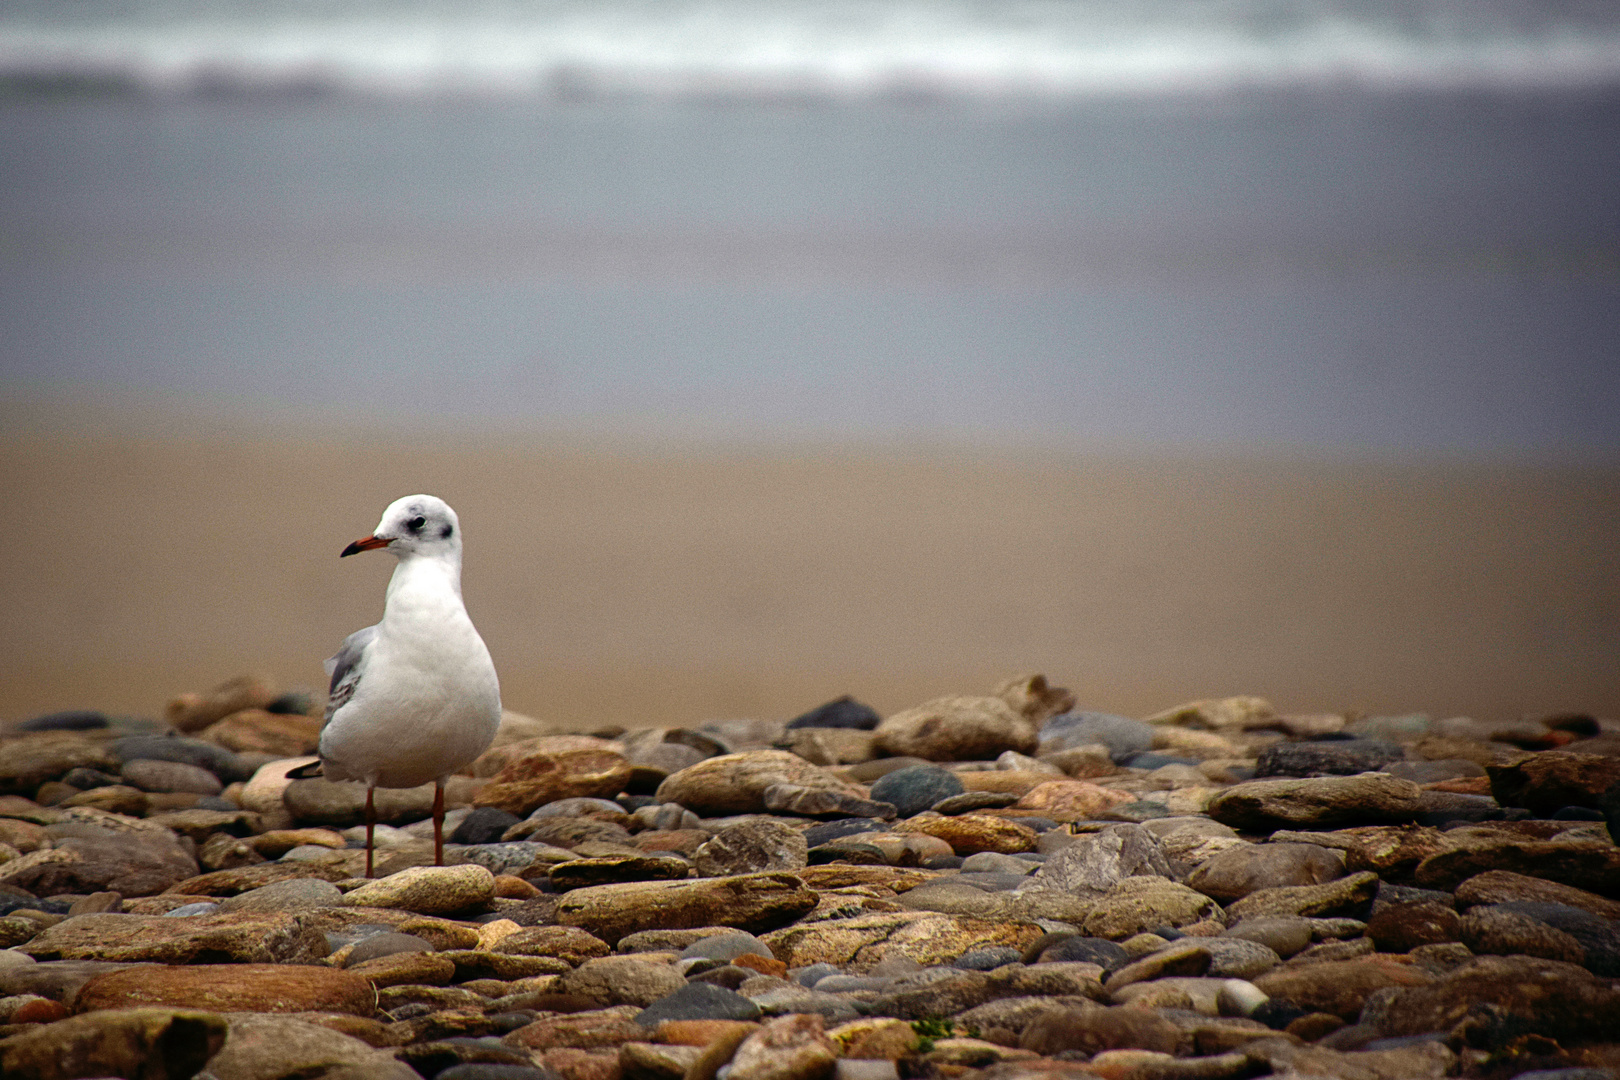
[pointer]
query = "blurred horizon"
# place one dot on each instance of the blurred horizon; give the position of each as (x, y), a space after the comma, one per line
(799, 348)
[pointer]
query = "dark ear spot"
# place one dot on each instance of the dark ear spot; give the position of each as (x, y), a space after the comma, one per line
(444, 534)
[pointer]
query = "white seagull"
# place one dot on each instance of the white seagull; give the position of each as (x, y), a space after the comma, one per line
(414, 698)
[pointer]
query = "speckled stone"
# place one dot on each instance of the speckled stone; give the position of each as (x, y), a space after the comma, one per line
(428, 890)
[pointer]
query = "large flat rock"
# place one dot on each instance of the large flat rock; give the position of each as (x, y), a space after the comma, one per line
(750, 902)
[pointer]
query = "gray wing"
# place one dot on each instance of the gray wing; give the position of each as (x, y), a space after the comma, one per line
(345, 669)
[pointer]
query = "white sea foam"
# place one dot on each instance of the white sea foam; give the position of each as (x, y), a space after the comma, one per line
(806, 48)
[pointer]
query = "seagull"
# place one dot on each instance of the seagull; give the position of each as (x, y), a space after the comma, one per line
(414, 698)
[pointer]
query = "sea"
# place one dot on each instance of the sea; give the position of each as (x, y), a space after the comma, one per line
(1330, 227)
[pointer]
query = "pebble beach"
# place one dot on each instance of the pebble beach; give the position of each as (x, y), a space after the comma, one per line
(999, 883)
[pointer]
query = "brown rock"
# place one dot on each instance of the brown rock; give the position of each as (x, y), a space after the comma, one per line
(225, 852)
(864, 941)
(1402, 927)
(235, 938)
(1187, 958)
(571, 1064)
(1019, 782)
(255, 731)
(736, 783)
(750, 902)
(1428, 1060)
(1340, 987)
(133, 864)
(27, 761)
(278, 988)
(1348, 897)
(1219, 714)
(957, 729)
(270, 1047)
(655, 1061)
(765, 965)
(1493, 999)
(148, 1044)
(1073, 797)
(192, 712)
(534, 737)
(483, 964)
(973, 833)
(555, 768)
(1488, 930)
(277, 842)
(621, 980)
(786, 1048)
(702, 1032)
(592, 1030)
(1593, 867)
(25, 836)
(1393, 851)
(406, 969)
(752, 847)
(1235, 873)
(428, 890)
(1502, 886)
(247, 878)
(114, 799)
(566, 943)
(1095, 1029)
(1323, 802)
(1033, 698)
(581, 873)
(1138, 904)
(1546, 782)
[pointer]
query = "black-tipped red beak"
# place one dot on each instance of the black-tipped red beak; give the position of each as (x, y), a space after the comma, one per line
(369, 543)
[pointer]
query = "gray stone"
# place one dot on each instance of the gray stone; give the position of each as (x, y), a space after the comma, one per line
(1284, 935)
(913, 790)
(752, 847)
(199, 752)
(1238, 958)
(149, 774)
(822, 802)
(386, 943)
(295, 894)
(698, 1001)
(1122, 735)
(726, 947)
(1096, 863)
(1327, 758)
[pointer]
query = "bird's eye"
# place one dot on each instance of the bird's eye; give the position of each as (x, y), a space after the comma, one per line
(416, 523)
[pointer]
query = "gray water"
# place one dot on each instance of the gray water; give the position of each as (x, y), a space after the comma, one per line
(1337, 228)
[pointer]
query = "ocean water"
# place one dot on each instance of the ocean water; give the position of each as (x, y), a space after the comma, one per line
(1338, 227)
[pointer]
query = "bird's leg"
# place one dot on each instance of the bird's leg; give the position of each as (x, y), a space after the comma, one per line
(438, 823)
(371, 824)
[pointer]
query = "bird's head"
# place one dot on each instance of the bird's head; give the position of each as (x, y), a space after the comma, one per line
(414, 525)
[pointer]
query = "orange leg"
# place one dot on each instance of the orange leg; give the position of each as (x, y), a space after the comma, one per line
(371, 825)
(438, 823)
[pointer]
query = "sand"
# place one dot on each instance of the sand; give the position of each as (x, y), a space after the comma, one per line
(633, 583)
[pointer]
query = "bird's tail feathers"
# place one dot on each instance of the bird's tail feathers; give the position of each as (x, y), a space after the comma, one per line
(306, 772)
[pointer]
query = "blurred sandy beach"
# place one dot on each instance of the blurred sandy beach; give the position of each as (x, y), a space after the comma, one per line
(638, 583)
(772, 351)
